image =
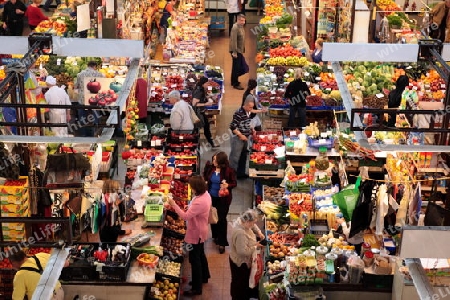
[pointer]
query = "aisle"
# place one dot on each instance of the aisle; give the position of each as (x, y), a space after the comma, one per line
(218, 287)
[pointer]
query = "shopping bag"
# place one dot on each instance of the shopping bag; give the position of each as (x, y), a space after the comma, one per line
(244, 69)
(213, 216)
(257, 268)
(346, 200)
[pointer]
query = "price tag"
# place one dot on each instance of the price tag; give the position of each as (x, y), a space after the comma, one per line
(323, 135)
(322, 175)
(173, 86)
(316, 87)
(176, 176)
(185, 95)
(74, 63)
(217, 68)
(408, 68)
(209, 88)
(192, 80)
(266, 83)
(157, 293)
(318, 78)
(328, 89)
(322, 141)
(272, 98)
(158, 142)
(152, 143)
(181, 137)
(379, 95)
(153, 94)
(99, 267)
(157, 79)
(273, 92)
(443, 86)
(415, 88)
(271, 69)
(58, 62)
(164, 74)
(293, 133)
(152, 88)
(139, 143)
(286, 75)
(306, 74)
(268, 161)
(329, 67)
(263, 148)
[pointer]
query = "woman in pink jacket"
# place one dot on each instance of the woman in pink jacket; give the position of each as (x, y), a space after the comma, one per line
(197, 232)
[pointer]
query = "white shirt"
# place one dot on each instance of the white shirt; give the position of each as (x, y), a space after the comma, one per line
(232, 6)
(180, 116)
(56, 95)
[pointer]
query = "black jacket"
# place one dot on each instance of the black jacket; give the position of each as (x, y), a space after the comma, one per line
(296, 92)
(9, 12)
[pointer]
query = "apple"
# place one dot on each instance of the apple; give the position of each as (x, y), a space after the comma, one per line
(93, 86)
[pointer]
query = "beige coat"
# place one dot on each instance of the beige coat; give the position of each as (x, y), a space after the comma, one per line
(439, 12)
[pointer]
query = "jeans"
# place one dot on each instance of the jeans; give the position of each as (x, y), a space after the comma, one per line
(232, 17)
(207, 130)
(199, 266)
(49, 2)
(301, 116)
(238, 155)
(237, 61)
(219, 230)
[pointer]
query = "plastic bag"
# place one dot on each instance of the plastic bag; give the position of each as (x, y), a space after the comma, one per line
(257, 269)
(346, 200)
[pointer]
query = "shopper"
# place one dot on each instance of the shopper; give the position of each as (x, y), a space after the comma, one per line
(180, 116)
(395, 97)
(29, 270)
(296, 92)
(240, 126)
(257, 108)
(440, 22)
(141, 96)
(90, 71)
(199, 102)
(57, 96)
(233, 10)
(316, 54)
(357, 240)
(220, 176)
(48, 3)
(237, 49)
(168, 12)
(34, 14)
(197, 232)
(114, 212)
(13, 17)
(243, 244)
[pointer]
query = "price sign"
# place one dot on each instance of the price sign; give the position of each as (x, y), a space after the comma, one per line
(323, 135)
(58, 62)
(379, 95)
(293, 133)
(316, 87)
(185, 95)
(322, 141)
(209, 88)
(328, 89)
(165, 74)
(306, 74)
(318, 78)
(181, 137)
(176, 176)
(153, 143)
(273, 92)
(415, 88)
(139, 143)
(268, 161)
(443, 86)
(329, 67)
(271, 68)
(286, 75)
(263, 148)
(217, 68)
(173, 85)
(157, 79)
(158, 142)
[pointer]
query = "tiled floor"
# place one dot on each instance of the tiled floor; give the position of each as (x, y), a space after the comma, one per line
(218, 287)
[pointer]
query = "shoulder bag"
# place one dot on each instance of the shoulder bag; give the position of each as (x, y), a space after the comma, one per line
(213, 215)
(196, 118)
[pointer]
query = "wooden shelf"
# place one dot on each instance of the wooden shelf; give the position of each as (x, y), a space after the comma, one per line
(439, 189)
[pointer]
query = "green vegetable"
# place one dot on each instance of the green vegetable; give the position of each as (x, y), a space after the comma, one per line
(156, 250)
(309, 240)
(286, 18)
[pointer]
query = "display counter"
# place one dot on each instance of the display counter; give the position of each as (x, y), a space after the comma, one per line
(138, 278)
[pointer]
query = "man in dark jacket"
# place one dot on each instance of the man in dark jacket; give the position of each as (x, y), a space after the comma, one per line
(296, 92)
(13, 14)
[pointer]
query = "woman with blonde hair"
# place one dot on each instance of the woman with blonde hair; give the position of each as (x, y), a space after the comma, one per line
(34, 14)
(296, 92)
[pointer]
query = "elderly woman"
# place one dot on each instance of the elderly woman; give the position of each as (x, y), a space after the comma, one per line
(180, 117)
(197, 232)
(296, 92)
(243, 244)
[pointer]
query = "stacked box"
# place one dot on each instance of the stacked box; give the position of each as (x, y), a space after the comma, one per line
(14, 203)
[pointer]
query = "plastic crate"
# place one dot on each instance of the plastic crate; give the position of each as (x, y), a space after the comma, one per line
(318, 227)
(153, 212)
(329, 143)
(264, 167)
(150, 290)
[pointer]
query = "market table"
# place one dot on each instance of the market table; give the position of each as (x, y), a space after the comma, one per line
(138, 278)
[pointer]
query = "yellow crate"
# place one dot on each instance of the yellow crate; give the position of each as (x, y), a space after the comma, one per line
(23, 212)
(12, 199)
(6, 190)
(13, 226)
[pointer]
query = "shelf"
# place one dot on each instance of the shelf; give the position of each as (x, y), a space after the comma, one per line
(439, 189)
(431, 170)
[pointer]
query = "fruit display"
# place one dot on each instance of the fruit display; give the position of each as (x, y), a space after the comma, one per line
(283, 238)
(33, 251)
(179, 190)
(172, 245)
(175, 224)
(5, 264)
(57, 27)
(167, 267)
(299, 203)
(284, 51)
(147, 260)
(261, 147)
(164, 290)
(174, 82)
(275, 291)
(277, 250)
(185, 152)
(263, 158)
(276, 267)
(156, 94)
(103, 98)
(272, 137)
(272, 210)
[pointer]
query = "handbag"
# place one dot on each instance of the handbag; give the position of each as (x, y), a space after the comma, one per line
(436, 215)
(244, 69)
(196, 117)
(213, 215)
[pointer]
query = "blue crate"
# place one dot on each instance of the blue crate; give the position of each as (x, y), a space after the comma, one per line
(317, 108)
(279, 106)
(217, 22)
(315, 143)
